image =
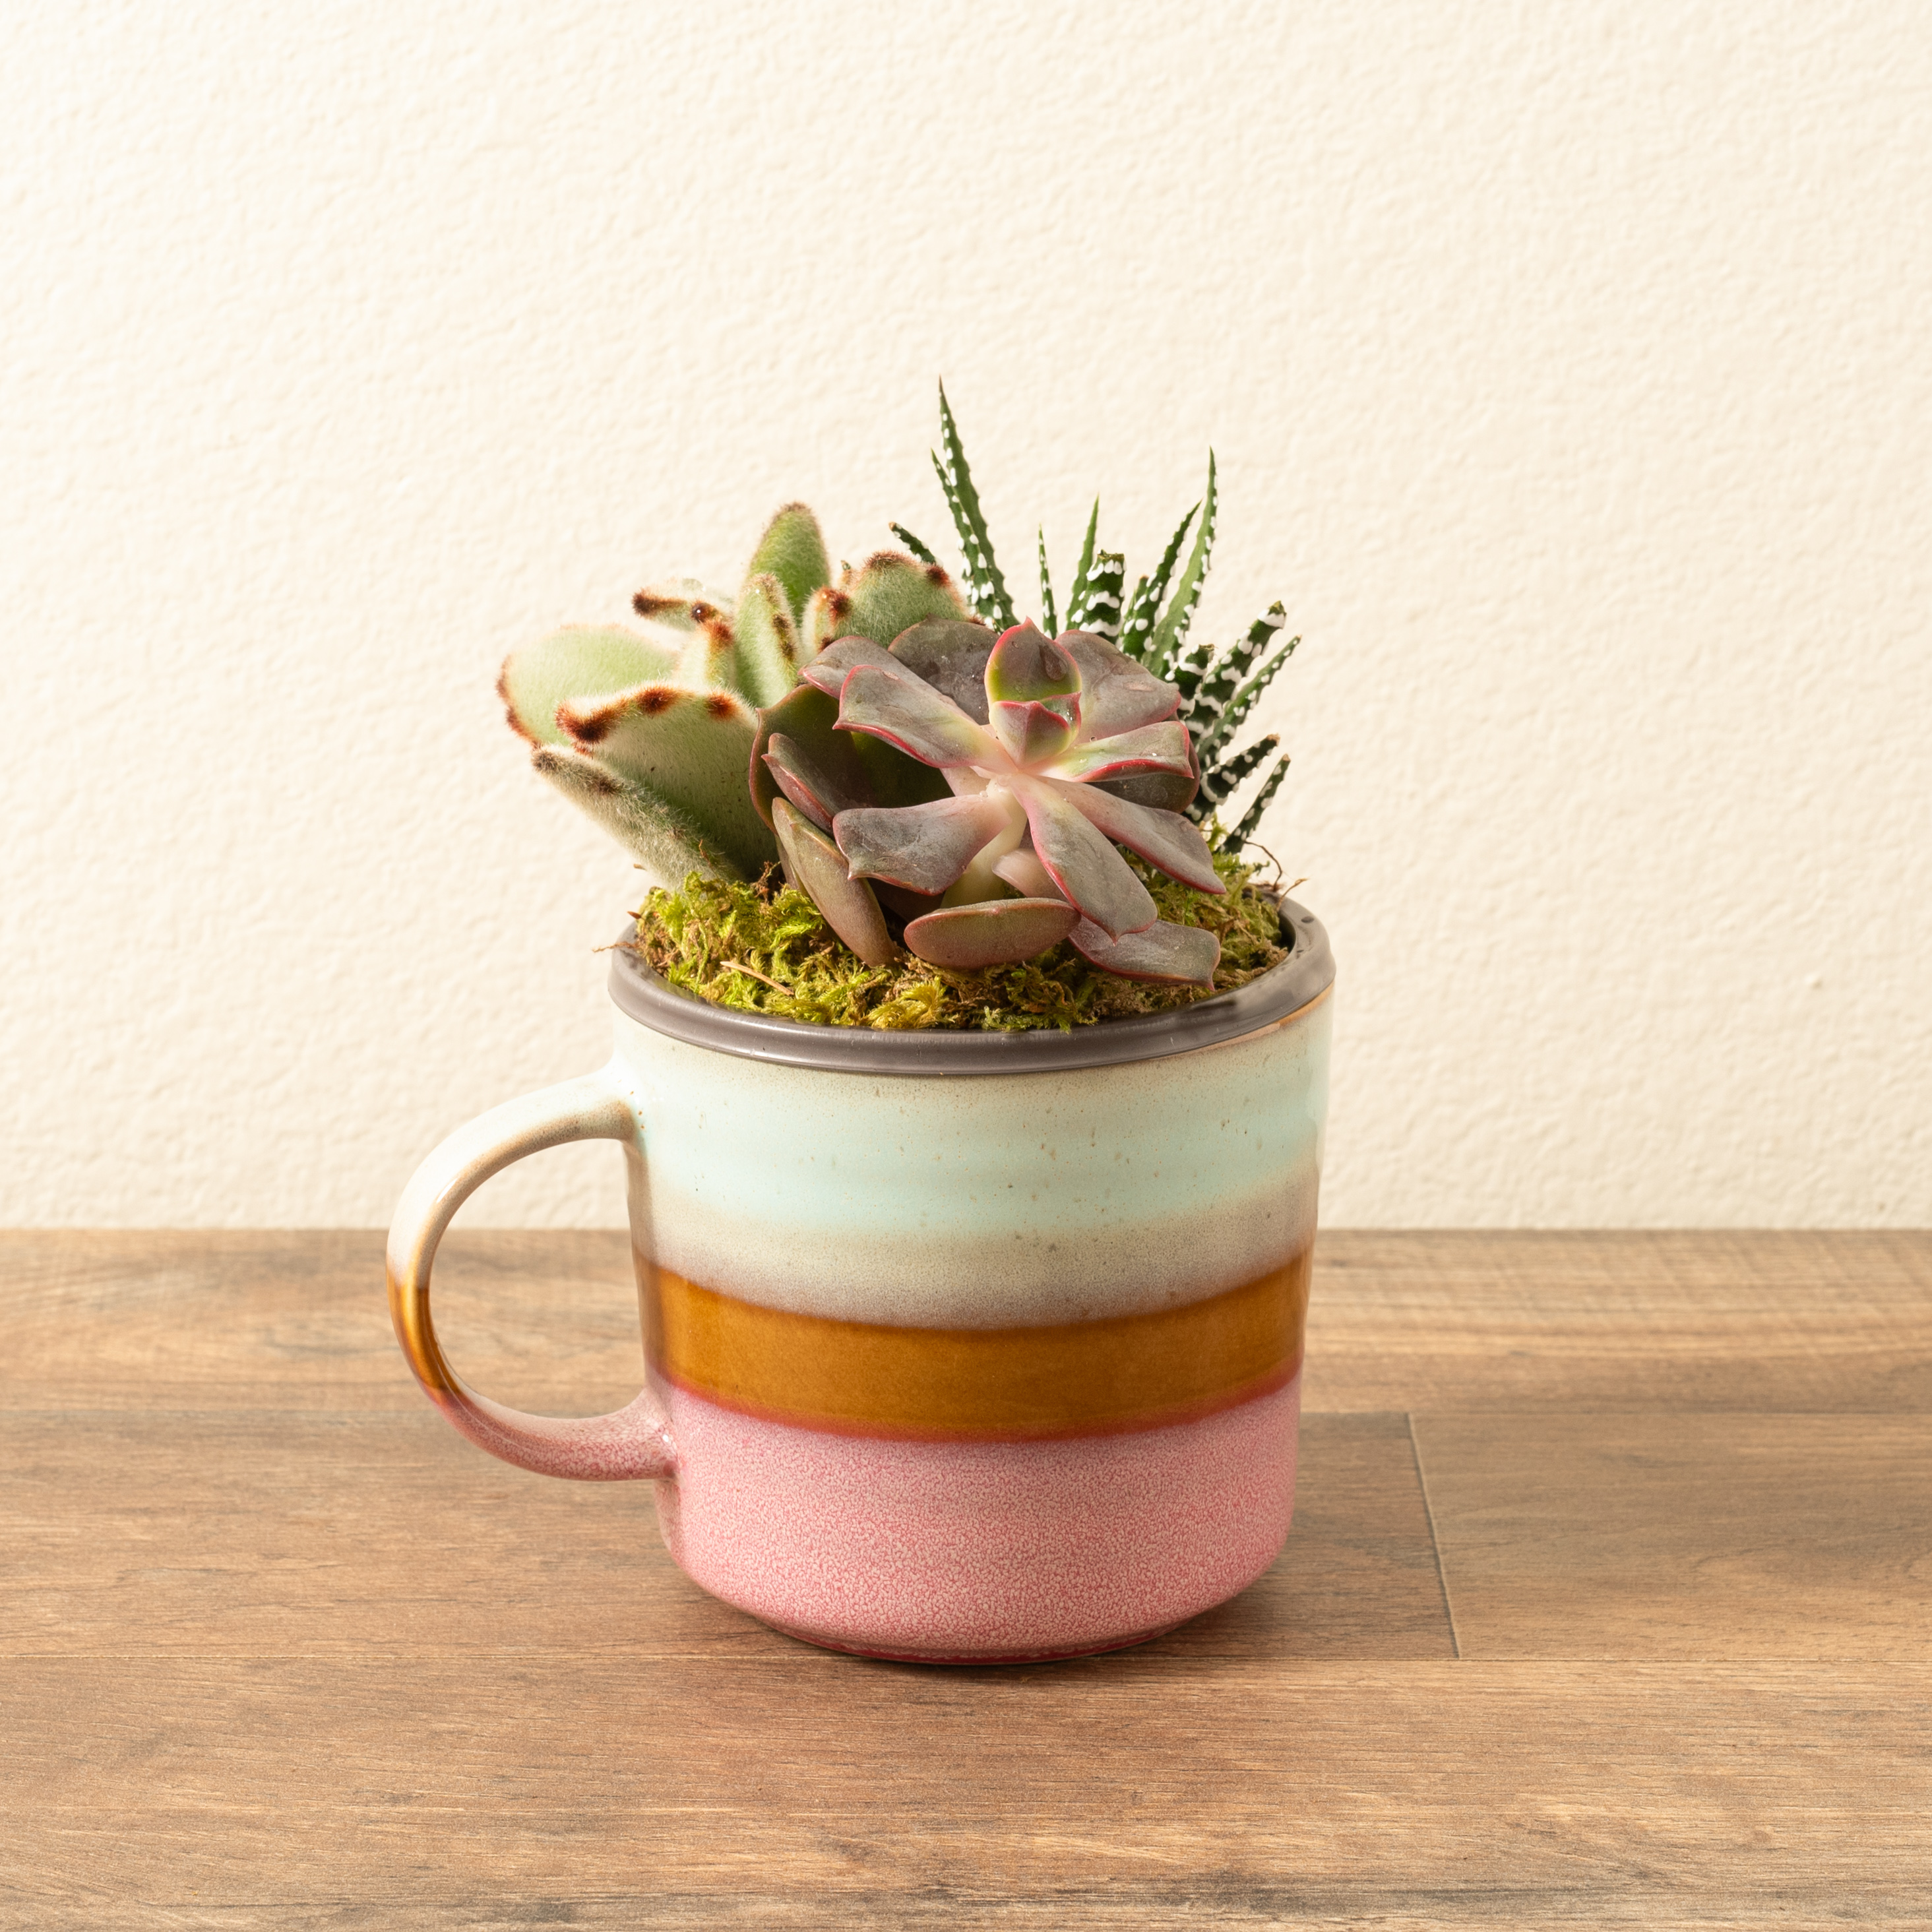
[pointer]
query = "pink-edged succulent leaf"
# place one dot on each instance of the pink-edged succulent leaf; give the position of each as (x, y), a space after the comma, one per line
(813, 864)
(951, 655)
(830, 668)
(1161, 954)
(923, 848)
(862, 770)
(996, 933)
(813, 790)
(1150, 748)
(1033, 733)
(1165, 791)
(906, 712)
(1162, 838)
(1027, 667)
(1080, 861)
(1116, 694)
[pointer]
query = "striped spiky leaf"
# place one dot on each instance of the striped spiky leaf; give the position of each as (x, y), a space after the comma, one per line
(1138, 622)
(1164, 641)
(922, 551)
(1049, 620)
(1097, 608)
(1083, 569)
(1220, 782)
(985, 588)
(1243, 700)
(1251, 819)
(1222, 676)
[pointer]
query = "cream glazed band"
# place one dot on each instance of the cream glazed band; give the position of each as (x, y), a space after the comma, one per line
(1086, 1196)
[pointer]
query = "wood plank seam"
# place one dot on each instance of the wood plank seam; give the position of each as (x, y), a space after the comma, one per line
(1434, 1541)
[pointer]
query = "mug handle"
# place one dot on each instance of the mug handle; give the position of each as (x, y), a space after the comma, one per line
(628, 1443)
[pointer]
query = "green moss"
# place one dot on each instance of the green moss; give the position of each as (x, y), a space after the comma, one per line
(764, 948)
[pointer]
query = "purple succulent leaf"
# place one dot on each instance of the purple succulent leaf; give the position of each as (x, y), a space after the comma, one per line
(923, 847)
(1116, 694)
(1025, 667)
(1151, 747)
(1034, 733)
(829, 670)
(1162, 838)
(1162, 954)
(1023, 872)
(813, 865)
(1081, 862)
(815, 791)
(908, 905)
(950, 654)
(997, 933)
(1166, 791)
(905, 711)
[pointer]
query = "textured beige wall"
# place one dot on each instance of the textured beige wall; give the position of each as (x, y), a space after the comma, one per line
(1567, 366)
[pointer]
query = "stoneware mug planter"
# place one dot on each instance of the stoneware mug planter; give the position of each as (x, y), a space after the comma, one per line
(959, 1347)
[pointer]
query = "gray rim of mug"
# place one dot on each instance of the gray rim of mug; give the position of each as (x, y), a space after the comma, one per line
(1307, 972)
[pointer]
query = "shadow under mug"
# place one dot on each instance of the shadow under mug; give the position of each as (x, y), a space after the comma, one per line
(961, 1347)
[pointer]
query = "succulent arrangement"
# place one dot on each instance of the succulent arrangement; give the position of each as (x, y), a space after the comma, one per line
(941, 777)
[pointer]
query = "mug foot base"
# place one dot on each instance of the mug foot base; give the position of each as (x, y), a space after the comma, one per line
(979, 1656)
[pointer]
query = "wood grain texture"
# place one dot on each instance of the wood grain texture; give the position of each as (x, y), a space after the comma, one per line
(1692, 1536)
(277, 1649)
(1770, 1322)
(1246, 1788)
(321, 1536)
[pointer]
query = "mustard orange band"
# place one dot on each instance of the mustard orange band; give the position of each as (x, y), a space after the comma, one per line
(1005, 1384)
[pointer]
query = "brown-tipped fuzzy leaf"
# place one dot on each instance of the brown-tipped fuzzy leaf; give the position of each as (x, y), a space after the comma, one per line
(905, 711)
(997, 932)
(709, 659)
(1161, 954)
(923, 848)
(691, 749)
(890, 592)
(793, 550)
(1163, 838)
(1026, 667)
(1153, 748)
(767, 642)
(1081, 862)
(1164, 641)
(585, 661)
(679, 604)
(667, 844)
(950, 654)
(1116, 694)
(826, 617)
(828, 669)
(812, 863)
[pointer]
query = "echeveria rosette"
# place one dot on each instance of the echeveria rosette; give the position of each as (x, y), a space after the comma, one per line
(1057, 719)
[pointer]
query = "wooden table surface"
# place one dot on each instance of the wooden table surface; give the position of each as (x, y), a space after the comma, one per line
(1609, 1603)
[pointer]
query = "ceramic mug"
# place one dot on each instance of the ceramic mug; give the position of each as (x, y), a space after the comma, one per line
(959, 1347)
